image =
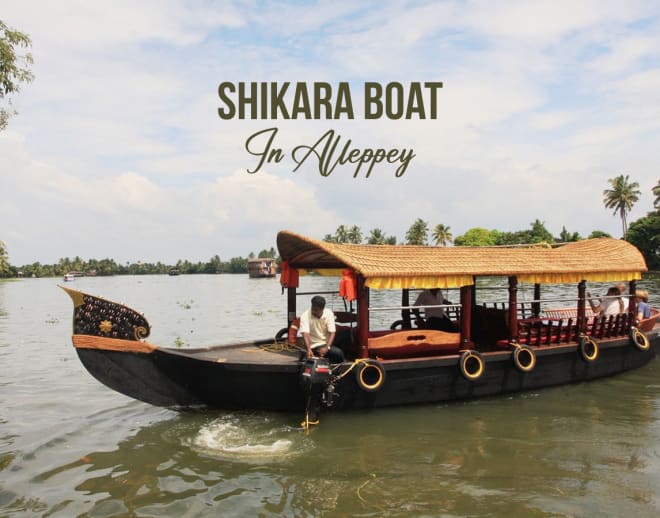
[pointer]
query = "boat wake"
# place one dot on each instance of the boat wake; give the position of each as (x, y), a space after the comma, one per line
(248, 438)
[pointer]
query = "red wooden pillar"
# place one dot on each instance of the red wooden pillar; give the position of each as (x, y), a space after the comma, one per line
(582, 307)
(513, 308)
(290, 305)
(363, 317)
(632, 304)
(536, 306)
(466, 317)
(405, 313)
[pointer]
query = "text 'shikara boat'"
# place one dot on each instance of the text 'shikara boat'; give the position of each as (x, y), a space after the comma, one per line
(494, 350)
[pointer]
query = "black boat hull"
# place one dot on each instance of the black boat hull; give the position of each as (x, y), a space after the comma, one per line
(176, 379)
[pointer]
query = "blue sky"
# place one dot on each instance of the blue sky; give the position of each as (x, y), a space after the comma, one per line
(118, 150)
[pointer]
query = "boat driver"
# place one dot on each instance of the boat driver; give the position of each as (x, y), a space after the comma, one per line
(317, 325)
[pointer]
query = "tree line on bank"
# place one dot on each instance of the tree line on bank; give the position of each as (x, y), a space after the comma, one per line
(643, 233)
(105, 267)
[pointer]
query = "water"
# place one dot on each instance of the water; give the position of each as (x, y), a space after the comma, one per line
(71, 447)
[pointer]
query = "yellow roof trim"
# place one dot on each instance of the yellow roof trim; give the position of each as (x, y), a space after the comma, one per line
(406, 266)
(391, 283)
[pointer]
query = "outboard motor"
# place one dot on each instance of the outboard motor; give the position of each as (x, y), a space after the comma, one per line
(318, 385)
(316, 371)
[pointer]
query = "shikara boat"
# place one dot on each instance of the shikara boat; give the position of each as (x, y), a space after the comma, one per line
(494, 349)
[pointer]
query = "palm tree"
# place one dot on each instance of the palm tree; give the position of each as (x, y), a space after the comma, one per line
(354, 235)
(376, 237)
(341, 234)
(442, 235)
(417, 233)
(656, 193)
(621, 197)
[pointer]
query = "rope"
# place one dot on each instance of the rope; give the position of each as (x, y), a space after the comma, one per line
(373, 476)
(353, 365)
(277, 347)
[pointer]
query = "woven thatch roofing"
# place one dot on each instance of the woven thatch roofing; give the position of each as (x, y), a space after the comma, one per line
(406, 266)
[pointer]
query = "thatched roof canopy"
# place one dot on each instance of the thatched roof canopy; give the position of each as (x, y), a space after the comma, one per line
(407, 266)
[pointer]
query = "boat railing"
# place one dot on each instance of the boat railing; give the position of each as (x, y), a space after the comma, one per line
(541, 324)
(453, 311)
(398, 308)
(549, 331)
(307, 293)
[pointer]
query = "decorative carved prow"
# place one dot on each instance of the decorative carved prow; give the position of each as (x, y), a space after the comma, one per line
(99, 317)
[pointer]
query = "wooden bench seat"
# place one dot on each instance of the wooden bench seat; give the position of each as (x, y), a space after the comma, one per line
(566, 313)
(412, 342)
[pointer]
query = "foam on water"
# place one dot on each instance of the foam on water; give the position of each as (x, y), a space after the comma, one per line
(248, 439)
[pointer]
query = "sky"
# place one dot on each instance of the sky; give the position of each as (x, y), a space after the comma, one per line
(118, 150)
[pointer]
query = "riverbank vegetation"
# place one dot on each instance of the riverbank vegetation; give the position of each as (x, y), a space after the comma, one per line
(644, 233)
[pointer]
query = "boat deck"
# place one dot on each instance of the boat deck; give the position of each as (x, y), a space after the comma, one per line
(263, 352)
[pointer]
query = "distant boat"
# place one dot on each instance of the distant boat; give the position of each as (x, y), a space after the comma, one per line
(69, 277)
(262, 267)
(174, 271)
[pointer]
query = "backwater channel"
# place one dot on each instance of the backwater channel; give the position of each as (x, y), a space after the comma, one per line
(69, 446)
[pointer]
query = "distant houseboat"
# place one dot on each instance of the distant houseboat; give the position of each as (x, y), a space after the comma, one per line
(263, 267)
(174, 271)
(69, 277)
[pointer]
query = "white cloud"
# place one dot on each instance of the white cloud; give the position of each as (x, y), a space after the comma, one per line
(118, 150)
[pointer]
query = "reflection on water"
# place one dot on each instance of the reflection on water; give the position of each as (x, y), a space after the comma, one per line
(71, 447)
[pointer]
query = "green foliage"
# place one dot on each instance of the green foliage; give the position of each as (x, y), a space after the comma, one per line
(237, 265)
(106, 267)
(621, 197)
(267, 253)
(644, 233)
(477, 236)
(345, 235)
(14, 67)
(214, 265)
(378, 237)
(482, 237)
(598, 233)
(537, 234)
(4, 260)
(565, 236)
(656, 193)
(418, 233)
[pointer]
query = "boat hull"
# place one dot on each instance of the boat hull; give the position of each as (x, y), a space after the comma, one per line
(179, 379)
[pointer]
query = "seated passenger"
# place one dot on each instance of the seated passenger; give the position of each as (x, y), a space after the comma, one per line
(435, 318)
(612, 304)
(643, 308)
(626, 300)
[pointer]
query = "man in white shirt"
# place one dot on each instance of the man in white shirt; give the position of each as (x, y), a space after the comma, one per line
(434, 318)
(317, 325)
(624, 292)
